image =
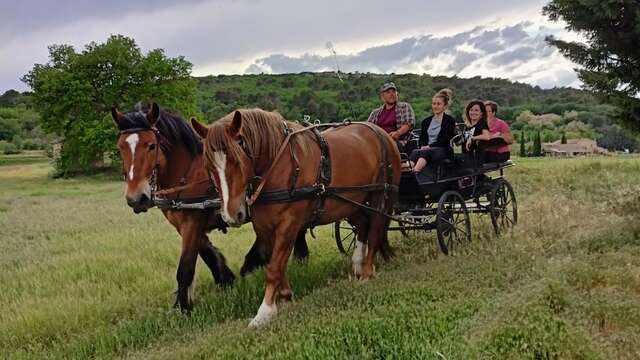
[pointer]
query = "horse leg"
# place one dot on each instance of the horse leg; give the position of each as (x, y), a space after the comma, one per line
(300, 248)
(257, 257)
(216, 262)
(360, 221)
(186, 269)
(374, 242)
(283, 245)
(284, 291)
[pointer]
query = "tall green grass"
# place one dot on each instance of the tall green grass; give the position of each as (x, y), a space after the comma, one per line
(83, 277)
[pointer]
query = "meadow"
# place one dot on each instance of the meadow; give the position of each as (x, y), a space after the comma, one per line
(82, 277)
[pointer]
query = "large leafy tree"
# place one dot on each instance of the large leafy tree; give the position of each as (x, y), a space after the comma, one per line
(610, 57)
(74, 93)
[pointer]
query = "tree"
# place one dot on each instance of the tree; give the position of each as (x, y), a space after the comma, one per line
(523, 150)
(616, 139)
(74, 93)
(564, 137)
(537, 145)
(610, 58)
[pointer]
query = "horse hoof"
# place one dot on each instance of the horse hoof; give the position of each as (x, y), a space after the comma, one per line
(265, 314)
(285, 296)
(226, 279)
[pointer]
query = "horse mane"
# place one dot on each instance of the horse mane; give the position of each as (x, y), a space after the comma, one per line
(262, 133)
(172, 128)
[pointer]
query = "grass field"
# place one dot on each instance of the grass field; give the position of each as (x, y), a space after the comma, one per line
(82, 277)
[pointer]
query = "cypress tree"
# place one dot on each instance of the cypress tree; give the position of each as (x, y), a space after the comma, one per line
(564, 138)
(523, 151)
(537, 145)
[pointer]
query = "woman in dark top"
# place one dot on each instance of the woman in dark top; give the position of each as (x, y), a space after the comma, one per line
(436, 134)
(476, 128)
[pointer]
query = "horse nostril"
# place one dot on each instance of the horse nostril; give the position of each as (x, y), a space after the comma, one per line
(240, 217)
(131, 202)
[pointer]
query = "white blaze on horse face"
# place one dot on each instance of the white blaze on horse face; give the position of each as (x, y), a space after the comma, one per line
(220, 162)
(132, 140)
(265, 314)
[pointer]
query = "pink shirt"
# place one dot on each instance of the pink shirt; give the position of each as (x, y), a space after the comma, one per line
(499, 126)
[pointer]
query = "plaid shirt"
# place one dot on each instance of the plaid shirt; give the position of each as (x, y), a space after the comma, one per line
(404, 116)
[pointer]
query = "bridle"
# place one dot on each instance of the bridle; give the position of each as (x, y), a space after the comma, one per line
(160, 139)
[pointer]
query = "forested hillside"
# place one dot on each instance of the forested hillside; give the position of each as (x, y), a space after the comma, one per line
(324, 96)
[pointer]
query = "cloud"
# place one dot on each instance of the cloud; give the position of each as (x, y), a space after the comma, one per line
(516, 51)
(234, 36)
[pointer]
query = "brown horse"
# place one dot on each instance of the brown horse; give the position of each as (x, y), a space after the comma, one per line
(160, 150)
(363, 161)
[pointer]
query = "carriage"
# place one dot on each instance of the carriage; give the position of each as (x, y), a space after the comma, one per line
(443, 196)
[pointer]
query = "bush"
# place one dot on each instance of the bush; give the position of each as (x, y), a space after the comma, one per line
(8, 148)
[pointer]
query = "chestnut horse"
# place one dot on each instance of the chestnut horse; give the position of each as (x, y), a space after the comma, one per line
(160, 150)
(292, 164)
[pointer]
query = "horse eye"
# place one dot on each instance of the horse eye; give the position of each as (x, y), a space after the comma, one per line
(152, 146)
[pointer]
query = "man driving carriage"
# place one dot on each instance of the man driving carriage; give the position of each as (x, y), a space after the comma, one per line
(397, 118)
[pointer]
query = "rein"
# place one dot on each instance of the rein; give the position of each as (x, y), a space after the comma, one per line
(321, 188)
(263, 179)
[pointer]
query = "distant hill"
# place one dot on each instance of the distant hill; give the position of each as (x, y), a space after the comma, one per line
(324, 96)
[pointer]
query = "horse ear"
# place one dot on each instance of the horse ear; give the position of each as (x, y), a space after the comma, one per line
(154, 114)
(236, 124)
(199, 128)
(116, 115)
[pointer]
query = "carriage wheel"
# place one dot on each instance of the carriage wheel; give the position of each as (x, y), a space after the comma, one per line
(503, 207)
(345, 236)
(452, 222)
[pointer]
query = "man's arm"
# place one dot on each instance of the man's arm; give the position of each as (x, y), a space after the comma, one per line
(372, 116)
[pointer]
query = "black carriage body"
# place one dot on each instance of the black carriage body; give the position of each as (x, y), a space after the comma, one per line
(442, 196)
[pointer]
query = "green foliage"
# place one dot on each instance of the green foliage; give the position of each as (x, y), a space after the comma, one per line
(564, 137)
(522, 140)
(609, 59)
(8, 148)
(616, 138)
(537, 145)
(74, 93)
(324, 97)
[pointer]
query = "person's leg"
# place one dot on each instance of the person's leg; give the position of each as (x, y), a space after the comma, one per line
(420, 164)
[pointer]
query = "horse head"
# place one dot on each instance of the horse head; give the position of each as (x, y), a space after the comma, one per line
(142, 157)
(228, 162)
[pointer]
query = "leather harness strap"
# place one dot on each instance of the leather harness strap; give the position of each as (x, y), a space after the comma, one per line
(321, 188)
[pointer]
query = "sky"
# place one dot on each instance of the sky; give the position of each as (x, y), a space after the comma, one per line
(491, 38)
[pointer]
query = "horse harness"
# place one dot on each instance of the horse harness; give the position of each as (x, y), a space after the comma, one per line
(321, 189)
(158, 196)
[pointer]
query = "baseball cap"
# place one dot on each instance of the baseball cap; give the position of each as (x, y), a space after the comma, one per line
(388, 85)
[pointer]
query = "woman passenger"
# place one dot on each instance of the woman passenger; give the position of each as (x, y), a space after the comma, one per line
(436, 134)
(498, 129)
(476, 128)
